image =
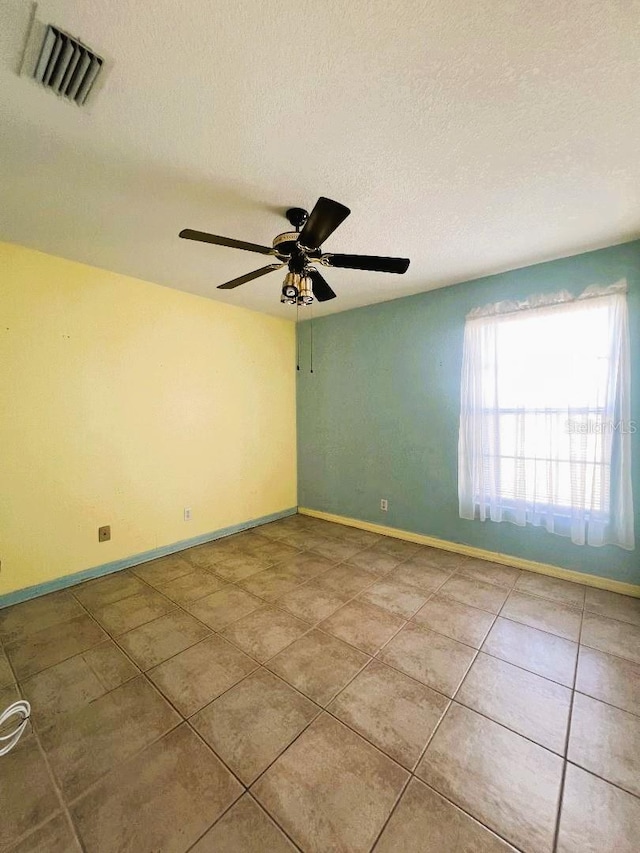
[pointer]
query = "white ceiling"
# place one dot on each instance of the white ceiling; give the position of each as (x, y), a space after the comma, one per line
(471, 137)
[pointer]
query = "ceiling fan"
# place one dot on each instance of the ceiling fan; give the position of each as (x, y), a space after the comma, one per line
(299, 250)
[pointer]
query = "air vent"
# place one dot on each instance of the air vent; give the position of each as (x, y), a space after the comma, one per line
(66, 66)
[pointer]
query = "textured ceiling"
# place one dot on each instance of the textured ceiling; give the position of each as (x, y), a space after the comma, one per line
(472, 137)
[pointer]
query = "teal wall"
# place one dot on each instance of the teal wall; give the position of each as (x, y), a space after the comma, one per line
(379, 415)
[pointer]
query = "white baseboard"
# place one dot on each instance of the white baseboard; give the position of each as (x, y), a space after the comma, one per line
(470, 551)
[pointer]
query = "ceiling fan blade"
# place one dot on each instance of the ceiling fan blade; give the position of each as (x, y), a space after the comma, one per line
(322, 222)
(367, 262)
(321, 289)
(243, 279)
(203, 237)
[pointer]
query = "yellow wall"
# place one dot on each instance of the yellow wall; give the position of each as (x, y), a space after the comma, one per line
(122, 402)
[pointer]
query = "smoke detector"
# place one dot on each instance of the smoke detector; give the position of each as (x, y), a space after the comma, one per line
(62, 64)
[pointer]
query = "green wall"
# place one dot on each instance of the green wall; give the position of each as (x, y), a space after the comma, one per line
(379, 415)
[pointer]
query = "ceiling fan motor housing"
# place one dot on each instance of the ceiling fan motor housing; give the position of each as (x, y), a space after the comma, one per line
(284, 245)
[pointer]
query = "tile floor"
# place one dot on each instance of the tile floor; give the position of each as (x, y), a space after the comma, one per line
(310, 686)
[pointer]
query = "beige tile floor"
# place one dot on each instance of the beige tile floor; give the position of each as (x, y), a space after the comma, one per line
(310, 686)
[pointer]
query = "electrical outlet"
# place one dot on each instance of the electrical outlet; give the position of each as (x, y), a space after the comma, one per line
(384, 504)
(104, 533)
(187, 513)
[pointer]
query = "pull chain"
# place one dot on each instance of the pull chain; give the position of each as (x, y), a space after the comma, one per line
(297, 336)
(311, 309)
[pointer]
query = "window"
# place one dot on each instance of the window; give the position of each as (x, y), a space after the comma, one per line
(545, 428)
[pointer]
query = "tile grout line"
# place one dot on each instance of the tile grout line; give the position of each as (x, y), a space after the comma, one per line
(332, 715)
(30, 833)
(414, 774)
(615, 785)
(60, 795)
(72, 801)
(430, 738)
(356, 597)
(52, 779)
(395, 805)
(413, 771)
(379, 578)
(144, 674)
(182, 721)
(441, 720)
(325, 709)
(187, 721)
(274, 603)
(322, 709)
(520, 734)
(410, 771)
(458, 689)
(154, 740)
(355, 676)
(316, 625)
(246, 793)
(563, 776)
(277, 823)
(313, 626)
(266, 769)
(181, 607)
(466, 812)
(451, 701)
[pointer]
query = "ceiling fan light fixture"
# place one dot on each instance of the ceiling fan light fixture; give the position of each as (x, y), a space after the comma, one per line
(305, 296)
(291, 288)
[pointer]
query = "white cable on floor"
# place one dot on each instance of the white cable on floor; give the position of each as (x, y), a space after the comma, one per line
(22, 709)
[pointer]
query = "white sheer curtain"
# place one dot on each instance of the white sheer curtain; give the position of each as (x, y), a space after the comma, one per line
(545, 428)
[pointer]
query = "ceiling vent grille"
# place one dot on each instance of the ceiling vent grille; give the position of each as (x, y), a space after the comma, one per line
(66, 66)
